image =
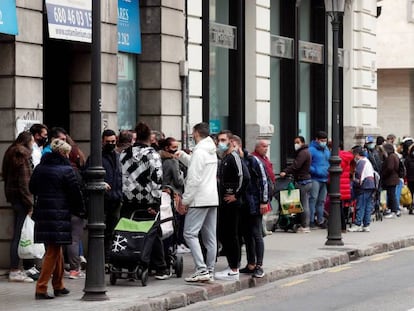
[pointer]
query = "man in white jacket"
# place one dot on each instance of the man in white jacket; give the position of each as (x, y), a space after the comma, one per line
(200, 198)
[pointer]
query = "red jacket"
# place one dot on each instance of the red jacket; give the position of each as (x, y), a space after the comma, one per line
(345, 180)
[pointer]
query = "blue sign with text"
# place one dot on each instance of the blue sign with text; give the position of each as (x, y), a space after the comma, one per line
(129, 28)
(8, 17)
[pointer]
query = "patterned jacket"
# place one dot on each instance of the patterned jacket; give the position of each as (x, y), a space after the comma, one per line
(141, 174)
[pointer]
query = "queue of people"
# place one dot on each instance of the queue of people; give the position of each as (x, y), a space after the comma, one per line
(225, 192)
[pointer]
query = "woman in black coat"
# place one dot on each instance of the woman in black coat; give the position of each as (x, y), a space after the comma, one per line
(57, 196)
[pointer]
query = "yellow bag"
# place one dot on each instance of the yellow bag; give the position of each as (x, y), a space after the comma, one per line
(406, 198)
(290, 202)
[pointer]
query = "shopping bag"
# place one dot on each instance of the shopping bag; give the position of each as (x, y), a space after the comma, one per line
(290, 202)
(406, 199)
(383, 199)
(27, 249)
(129, 240)
(165, 216)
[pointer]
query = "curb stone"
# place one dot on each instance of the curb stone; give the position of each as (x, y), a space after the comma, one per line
(175, 300)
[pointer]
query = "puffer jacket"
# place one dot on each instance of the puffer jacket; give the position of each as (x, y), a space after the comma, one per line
(389, 172)
(345, 180)
(57, 196)
(200, 189)
(320, 162)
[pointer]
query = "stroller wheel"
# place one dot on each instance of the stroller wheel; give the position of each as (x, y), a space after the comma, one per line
(178, 266)
(112, 278)
(144, 277)
(295, 228)
(139, 273)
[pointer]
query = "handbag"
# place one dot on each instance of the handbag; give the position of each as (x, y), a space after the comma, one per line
(406, 198)
(27, 249)
(290, 202)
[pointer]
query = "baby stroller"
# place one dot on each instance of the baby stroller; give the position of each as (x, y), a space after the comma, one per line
(132, 243)
(288, 219)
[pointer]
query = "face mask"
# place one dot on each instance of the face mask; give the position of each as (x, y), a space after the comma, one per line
(42, 141)
(172, 151)
(322, 144)
(223, 147)
(371, 146)
(109, 148)
(297, 147)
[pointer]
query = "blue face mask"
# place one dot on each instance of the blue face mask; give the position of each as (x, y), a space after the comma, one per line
(223, 147)
(322, 144)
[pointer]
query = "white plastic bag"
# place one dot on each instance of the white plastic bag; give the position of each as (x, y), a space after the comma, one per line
(27, 249)
(166, 216)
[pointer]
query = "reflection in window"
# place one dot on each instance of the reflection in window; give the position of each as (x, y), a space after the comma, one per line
(127, 102)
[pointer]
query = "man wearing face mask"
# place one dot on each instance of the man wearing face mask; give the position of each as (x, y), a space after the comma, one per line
(230, 176)
(39, 132)
(113, 193)
(300, 171)
(319, 175)
(373, 154)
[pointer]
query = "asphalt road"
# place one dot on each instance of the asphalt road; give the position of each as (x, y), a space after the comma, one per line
(381, 282)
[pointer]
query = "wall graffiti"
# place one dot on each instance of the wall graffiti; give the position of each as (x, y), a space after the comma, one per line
(25, 120)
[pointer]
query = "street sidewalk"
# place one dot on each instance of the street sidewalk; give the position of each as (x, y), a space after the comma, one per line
(286, 254)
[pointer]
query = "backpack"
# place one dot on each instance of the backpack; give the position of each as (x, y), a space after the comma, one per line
(401, 168)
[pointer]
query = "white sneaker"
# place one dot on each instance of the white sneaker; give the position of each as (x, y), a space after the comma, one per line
(366, 229)
(227, 275)
(182, 249)
(19, 276)
(33, 273)
(198, 276)
(83, 262)
(390, 216)
(355, 228)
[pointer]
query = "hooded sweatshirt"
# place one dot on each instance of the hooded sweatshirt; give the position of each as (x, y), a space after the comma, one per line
(201, 182)
(320, 162)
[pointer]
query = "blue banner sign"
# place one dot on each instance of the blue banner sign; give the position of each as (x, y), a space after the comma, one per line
(129, 28)
(8, 17)
(70, 19)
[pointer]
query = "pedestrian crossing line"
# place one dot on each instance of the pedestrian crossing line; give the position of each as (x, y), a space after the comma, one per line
(380, 257)
(339, 269)
(293, 283)
(229, 302)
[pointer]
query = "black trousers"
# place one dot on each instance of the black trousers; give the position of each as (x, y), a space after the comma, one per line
(112, 211)
(228, 223)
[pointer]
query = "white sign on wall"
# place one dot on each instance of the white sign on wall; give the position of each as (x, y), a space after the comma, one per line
(70, 19)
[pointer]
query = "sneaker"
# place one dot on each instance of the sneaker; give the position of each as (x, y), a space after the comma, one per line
(355, 228)
(211, 275)
(76, 274)
(366, 229)
(19, 276)
(246, 270)
(303, 230)
(227, 275)
(390, 215)
(198, 276)
(182, 249)
(398, 214)
(258, 272)
(323, 225)
(83, 262)
(162, 275)
(66, 273)
(33, 273)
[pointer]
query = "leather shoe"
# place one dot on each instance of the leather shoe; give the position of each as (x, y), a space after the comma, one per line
(43, 296)
(61, 292)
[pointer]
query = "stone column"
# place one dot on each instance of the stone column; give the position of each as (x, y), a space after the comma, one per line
(163, 32)
(21, 93)
(257, 72)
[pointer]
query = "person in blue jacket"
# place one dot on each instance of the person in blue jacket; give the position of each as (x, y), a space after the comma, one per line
(319, 175)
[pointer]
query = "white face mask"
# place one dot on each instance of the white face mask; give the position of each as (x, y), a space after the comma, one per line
(297, 147)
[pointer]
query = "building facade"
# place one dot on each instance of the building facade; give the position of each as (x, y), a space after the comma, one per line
(395, 68)
(260, 68)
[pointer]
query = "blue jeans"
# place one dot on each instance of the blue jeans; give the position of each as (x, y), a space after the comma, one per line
(317, 201)
(364, 207)
(398, 190)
